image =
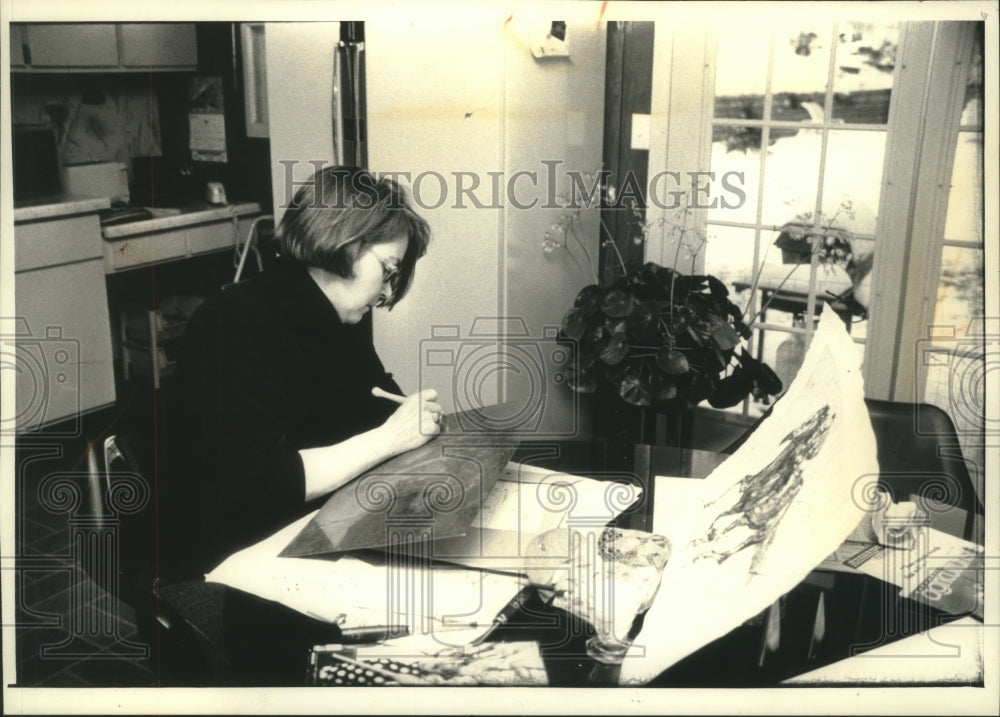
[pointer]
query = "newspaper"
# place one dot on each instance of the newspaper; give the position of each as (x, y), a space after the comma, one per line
(766, 517)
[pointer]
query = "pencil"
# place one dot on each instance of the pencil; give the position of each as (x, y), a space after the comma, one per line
(380, 393)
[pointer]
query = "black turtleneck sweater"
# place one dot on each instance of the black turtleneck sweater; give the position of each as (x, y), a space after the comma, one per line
(265, 368)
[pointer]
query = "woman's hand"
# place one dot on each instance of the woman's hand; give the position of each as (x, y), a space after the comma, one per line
(416, 421)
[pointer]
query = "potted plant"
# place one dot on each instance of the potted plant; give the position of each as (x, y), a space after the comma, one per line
(664, 339)
(656, 338)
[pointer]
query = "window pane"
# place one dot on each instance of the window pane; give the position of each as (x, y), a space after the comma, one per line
(960, 299)
(852, 180)
(740, 73)
(802, 63)
(729, 256)
(862, 85)
(737, 177)
(791, 181)
(965, 201)
(972, 113)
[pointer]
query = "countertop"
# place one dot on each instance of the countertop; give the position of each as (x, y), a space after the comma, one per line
(163, 218)
(196, 213)
(60, 206)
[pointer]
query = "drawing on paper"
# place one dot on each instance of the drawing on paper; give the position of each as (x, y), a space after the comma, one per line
(764, 496)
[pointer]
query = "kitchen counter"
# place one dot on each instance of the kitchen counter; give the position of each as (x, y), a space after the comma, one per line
(173, 218)
(176, 234)
(61, 206)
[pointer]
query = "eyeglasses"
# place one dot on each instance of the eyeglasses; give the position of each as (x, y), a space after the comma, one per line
(390, 276)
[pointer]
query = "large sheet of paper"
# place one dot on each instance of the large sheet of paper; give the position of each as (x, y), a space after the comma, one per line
(365, 589)
(774, 510)
(526, 502)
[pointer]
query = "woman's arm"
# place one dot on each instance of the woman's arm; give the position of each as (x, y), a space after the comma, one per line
(328, 467)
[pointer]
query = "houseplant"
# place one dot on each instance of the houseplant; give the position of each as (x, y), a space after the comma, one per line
(657, 338)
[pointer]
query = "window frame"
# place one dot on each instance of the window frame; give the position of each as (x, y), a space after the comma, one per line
(932, 65)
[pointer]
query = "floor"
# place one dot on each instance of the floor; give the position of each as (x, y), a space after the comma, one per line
(69, 631)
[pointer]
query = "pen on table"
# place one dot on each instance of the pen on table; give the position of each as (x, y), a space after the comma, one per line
(374, 633)
(508, 611)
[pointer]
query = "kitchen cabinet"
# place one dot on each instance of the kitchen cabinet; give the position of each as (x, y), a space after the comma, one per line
(146, 45)
(63, 352)
(103, 47)
(93, 45)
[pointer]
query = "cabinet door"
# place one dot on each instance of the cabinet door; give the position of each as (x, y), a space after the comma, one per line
(16, 46)
(159, 45)
(65, 363)
(73, 45)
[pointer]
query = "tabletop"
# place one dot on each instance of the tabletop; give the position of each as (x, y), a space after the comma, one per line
(827, 617)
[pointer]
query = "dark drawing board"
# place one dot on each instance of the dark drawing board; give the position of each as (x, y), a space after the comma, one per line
(434, 491)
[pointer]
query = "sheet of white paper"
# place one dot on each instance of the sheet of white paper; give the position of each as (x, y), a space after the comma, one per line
(526, 502)
(767, 516)
(362, 592)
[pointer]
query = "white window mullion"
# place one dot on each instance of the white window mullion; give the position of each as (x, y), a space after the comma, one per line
(894, 226)
(946, 88)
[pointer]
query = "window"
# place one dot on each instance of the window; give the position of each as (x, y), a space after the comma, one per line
(844, 133)
(800, 112)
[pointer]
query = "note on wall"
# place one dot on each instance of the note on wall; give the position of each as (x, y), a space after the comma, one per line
(207, 119)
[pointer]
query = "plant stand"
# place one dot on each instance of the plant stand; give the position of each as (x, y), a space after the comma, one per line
(621, 423)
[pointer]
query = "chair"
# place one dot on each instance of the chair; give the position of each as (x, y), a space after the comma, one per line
(919, 458)
(122, 508)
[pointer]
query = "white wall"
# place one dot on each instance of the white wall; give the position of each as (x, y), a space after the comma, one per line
(471, 98)
(299, 95)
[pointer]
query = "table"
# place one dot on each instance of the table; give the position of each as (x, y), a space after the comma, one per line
(828, 617)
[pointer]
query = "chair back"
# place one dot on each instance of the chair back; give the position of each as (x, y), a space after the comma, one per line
(920, 459)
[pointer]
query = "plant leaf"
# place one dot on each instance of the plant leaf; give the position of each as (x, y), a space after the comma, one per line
(617, 303)
(633, 390)
(643, 324)
(580, 380)
(614, 352)
(718, 289)
(662, 388)
(574, 324)
(731, 390)
(768, 380)
(724, 335)
(672, 361)
(589, 299)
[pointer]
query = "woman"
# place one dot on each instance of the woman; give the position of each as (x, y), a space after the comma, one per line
(276, 375)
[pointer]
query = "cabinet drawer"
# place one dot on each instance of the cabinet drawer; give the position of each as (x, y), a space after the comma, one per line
(135, 251)
(57, 241)
(211, 237)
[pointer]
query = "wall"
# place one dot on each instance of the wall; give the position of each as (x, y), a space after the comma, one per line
(299, 58)
(469, 98)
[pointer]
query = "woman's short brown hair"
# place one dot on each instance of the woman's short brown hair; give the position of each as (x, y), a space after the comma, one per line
(342, 210)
